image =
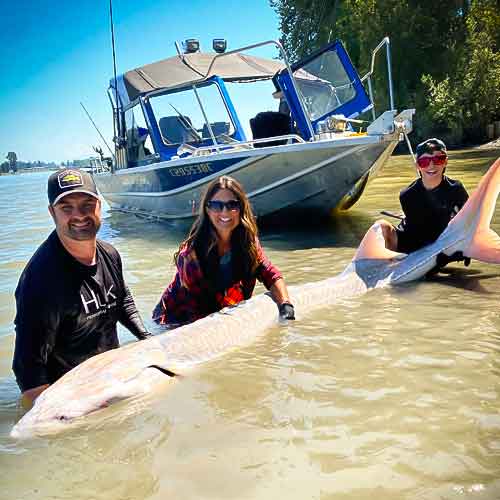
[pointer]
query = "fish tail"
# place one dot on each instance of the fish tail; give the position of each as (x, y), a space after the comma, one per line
(483, 243)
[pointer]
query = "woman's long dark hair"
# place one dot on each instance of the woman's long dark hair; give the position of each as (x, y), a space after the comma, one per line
(203, 236)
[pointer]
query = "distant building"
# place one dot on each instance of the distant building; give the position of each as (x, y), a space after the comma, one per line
(12, 157)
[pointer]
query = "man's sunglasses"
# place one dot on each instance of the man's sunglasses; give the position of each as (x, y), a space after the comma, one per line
(438, 160)
(218, 206)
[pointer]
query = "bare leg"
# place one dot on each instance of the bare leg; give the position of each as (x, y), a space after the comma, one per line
(380, 242)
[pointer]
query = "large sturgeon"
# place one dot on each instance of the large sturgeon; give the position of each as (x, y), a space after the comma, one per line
(142, 367)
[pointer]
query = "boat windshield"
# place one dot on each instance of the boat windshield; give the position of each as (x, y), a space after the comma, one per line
(324, 84)
(181, 120)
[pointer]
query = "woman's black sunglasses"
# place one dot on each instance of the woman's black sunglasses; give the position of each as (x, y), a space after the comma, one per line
(218, 206)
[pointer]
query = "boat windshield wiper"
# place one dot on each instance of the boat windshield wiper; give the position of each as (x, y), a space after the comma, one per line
(185, 123)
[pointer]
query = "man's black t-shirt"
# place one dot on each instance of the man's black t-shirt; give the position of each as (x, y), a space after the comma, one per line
(428, 212)
(67, 312)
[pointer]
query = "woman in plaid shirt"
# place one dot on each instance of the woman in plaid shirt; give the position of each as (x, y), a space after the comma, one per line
(220, 260)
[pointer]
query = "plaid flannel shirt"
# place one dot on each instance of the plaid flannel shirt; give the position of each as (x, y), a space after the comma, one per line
(189, 296)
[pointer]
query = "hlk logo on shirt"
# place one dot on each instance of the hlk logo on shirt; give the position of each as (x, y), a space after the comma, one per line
(94, 305)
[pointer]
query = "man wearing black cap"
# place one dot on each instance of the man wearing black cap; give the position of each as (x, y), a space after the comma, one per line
(428, 203)
(72, 293)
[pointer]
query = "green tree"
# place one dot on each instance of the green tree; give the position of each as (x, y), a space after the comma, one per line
(464, 102)
(444, 54)
(421, 33)
(305, 24)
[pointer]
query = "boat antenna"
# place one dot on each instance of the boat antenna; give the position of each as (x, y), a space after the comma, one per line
(114, 66)
(95, 126)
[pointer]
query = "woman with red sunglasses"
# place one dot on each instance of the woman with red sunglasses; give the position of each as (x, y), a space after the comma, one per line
(428, 203)
(219, 261)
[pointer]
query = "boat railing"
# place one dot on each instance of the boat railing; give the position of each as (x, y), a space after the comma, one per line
(368, 75)
(98, 166)
(229, 148)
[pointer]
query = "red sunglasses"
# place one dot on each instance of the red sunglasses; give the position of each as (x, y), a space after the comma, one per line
(438, 160)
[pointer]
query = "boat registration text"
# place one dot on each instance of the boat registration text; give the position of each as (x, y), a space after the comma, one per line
(202, 168)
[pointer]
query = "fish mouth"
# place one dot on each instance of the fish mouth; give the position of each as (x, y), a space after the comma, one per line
(25, 430)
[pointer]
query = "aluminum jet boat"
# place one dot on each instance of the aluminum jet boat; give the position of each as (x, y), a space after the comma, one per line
(177, 127)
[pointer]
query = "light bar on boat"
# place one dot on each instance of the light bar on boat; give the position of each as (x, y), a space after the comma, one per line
(191, 45)
(219, 45)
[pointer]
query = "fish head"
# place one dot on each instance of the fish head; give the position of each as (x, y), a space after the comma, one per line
(61, 407)
(83, 390)
(96, 384)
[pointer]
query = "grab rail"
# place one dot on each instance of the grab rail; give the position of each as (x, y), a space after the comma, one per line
(188, 148)
(368, 75)
(98, 166)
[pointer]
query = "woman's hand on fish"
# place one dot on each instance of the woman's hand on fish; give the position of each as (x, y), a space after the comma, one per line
(286, 310)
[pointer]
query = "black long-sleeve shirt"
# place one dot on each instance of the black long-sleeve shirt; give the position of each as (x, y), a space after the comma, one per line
(428, 212)
(67, 312)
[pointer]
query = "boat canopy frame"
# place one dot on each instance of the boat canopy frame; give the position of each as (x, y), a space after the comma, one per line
(140, 82)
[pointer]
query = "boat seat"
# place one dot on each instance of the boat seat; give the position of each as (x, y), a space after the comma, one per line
(136, 148)
(173, 130)
(270, 124)
(218, 128)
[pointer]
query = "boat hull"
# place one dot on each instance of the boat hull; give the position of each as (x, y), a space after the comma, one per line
(312, 177)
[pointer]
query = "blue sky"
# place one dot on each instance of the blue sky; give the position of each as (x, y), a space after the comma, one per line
(56, 54)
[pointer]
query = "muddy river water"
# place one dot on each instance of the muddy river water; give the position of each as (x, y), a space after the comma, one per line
(391, 395)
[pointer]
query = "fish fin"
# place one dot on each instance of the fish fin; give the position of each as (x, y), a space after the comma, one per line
(489, 198)
(372, 245)
(485, 247)
(479, 208)
(483, 243)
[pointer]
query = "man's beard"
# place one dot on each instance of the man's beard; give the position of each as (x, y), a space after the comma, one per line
(88, 232)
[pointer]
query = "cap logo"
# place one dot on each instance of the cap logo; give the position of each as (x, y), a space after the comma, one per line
(70, 178)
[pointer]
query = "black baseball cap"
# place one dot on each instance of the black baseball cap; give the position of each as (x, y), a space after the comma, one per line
(69, 181)
(429, 146)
